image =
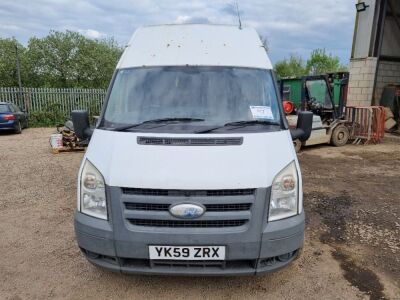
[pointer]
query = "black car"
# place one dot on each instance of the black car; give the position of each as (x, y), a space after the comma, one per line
(12, 117)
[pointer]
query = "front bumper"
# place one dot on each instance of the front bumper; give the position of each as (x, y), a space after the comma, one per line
(279, 243)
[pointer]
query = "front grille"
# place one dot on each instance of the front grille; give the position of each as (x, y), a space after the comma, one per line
(166, 141)
(209, 207)
(149, 208)
(228, 207)
(185, 264)
(187, 223)
(187, 193)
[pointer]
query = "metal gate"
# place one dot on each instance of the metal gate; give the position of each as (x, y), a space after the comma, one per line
(367, 123)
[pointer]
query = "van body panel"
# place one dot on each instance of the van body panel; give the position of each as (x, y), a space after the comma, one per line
(125, 163)
(195, 45)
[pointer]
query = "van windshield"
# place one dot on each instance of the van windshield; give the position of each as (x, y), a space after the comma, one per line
(190, 99)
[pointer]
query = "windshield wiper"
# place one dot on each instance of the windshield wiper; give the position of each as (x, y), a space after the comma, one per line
(239, 124)
(161, 120)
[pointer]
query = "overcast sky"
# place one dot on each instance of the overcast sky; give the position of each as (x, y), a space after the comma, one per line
(291, 26)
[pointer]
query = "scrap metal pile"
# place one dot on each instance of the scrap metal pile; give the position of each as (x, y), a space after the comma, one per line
(66, 140)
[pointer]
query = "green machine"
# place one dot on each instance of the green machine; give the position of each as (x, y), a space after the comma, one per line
(325, 96)
(292, 88)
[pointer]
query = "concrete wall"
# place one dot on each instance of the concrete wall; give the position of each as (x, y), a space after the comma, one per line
(362, 64)
(368, 75)
(388, 73)
(362, 79)
(361, 83)
(363, 30)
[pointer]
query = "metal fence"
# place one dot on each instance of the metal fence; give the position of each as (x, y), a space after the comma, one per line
(50, 99)
(367, 123)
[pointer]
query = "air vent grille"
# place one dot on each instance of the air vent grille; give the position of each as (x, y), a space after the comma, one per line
(165, 141)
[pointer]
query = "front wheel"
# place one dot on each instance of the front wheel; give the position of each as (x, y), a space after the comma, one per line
(340, 136)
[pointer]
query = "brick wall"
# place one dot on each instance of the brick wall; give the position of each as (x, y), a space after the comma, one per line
(361, 82)
(388, 73)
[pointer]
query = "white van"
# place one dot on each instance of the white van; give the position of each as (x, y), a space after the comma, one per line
(191, 168)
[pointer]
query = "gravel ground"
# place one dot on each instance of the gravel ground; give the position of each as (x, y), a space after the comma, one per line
(352, 238)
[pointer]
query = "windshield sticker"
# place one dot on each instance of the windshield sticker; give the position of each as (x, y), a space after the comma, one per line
(262, 112)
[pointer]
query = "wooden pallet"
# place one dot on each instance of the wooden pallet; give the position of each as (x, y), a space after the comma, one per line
(67, 149)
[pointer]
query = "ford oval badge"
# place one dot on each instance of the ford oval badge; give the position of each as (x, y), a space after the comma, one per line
(187, 210)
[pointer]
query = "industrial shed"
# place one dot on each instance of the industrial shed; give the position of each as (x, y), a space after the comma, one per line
(375, 57)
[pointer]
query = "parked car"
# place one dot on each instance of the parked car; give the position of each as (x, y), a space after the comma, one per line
(12, 117)
(191, 168)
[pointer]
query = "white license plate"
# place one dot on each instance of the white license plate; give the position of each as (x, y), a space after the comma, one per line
(187, 252)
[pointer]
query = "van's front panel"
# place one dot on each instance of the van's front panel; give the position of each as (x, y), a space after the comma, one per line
(235, 217)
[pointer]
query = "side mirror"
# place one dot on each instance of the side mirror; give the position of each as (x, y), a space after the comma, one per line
(80, 119)
(304, 126)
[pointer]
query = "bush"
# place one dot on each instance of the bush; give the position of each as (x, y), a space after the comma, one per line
(50, 116)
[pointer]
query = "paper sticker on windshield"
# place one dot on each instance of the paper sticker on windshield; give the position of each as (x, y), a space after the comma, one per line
(262, 112)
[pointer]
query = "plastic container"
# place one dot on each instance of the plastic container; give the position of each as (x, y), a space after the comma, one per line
(56, 141)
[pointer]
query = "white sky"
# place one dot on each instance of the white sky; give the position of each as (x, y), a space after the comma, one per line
(291, 26)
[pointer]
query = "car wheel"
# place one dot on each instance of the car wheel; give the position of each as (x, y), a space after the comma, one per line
(340, 136)
(18, 129)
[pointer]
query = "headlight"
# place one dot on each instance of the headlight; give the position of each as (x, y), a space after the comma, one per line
(284, 201)
(92, 199)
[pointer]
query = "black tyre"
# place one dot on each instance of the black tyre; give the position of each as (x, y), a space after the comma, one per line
(340, 136)
(297, 145)
(18, 129)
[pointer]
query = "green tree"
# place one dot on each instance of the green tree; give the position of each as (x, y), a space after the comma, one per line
(8, 70)
(69, 59)
(292, 67)
(321, 62)
(97, 61)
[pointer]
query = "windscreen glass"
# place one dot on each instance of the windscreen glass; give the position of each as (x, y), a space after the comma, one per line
(215, 95)
(318, 91)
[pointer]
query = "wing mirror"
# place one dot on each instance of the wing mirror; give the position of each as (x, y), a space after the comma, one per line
(304, 126)
(80, 119)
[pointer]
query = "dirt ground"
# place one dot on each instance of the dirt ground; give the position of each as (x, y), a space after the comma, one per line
(352, 250)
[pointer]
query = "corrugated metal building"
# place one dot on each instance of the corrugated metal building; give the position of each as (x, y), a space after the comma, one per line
(375, 58)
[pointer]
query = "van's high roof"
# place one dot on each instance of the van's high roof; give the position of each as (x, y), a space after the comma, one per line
(196, 45)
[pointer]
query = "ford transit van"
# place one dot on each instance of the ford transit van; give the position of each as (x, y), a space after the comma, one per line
(191, 168)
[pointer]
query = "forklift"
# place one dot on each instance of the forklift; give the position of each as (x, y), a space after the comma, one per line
(315, 94)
